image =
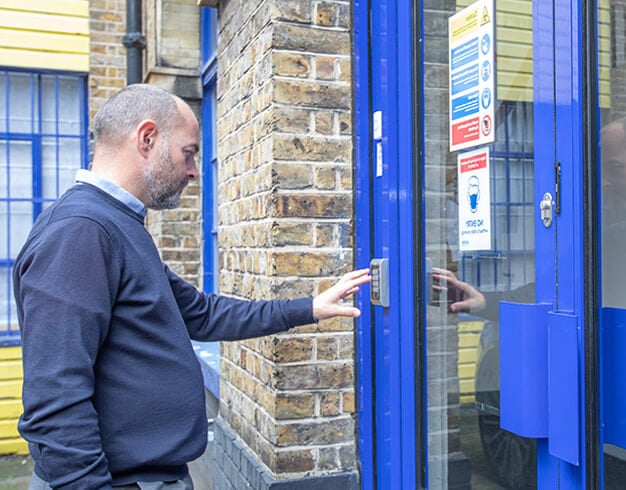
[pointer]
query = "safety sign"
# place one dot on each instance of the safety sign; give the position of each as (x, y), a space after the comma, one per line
(472, 74)
(474, 200)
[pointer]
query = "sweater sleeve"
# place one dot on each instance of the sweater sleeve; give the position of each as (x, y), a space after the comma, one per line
(64, 289)
(213, 317)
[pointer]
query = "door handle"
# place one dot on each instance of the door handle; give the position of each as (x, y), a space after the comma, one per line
(545, 207)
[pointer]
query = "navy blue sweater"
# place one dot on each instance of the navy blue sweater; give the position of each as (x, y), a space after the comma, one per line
(113, 392)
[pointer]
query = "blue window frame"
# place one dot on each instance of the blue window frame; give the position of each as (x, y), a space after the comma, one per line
(43, 141)
(208, 352)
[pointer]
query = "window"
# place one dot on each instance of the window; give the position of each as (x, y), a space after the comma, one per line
(209, 147)
(43, 141)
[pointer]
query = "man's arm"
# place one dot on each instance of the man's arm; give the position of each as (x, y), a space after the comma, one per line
(64, 293)
(213, 317)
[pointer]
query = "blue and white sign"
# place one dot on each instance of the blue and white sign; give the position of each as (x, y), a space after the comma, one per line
(474, 200)
(472, 76)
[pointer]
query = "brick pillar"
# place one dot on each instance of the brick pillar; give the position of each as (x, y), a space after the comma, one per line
(285, 229)
(107, 55)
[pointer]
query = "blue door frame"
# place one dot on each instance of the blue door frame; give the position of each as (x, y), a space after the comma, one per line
(390, 355)
(387, 390)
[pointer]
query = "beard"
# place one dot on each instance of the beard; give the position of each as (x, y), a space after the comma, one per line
(163, 185)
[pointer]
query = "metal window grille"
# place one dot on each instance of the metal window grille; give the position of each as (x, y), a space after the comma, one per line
(43, 141)
(511, 263)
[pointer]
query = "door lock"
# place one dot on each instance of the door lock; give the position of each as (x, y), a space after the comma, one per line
(546, 209)
(379, 286)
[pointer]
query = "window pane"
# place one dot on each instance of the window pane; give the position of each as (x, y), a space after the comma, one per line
(20, 167)
(4, 231)
(4, 183)
(60, 160)
(48, 105)
(20, 103)
(69, 106)
(21, 223)
(3, 103)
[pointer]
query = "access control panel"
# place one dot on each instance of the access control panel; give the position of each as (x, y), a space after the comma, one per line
(379, 286)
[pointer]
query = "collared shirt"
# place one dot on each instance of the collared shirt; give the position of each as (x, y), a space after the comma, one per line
(111, 188)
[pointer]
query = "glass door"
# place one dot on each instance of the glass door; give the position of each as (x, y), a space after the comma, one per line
(612, 135)
(480, 219)
(503, 213)
(476, 168)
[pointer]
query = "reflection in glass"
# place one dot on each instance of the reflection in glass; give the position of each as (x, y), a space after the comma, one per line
(612, 78)
(466, 446)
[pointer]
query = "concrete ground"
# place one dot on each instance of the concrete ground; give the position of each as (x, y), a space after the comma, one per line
(15, 472)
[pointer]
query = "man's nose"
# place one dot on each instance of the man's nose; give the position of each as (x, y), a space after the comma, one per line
(192, 171)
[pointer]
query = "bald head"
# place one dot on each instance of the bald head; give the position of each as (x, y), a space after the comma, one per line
(122, 113)
(146, 141)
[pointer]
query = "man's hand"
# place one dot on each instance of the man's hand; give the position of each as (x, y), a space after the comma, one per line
(468, 298)
(326, 305)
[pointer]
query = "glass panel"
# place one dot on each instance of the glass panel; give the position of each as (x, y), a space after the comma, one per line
(20, 103)
(4, 232)
(48, 105)
(21, 223)
(60, 160)
(70, 99)
(612, 77)
(20, 169)
(466, 446)
(4, 169)
(3, 102)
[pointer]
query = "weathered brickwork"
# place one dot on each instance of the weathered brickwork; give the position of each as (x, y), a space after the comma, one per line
(285, 209)
(107, 71)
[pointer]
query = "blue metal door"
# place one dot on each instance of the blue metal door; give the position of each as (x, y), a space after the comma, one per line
(482, 370)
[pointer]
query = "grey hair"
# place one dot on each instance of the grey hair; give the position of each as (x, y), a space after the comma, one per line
(123, 112)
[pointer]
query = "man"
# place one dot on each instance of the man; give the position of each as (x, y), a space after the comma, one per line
(113, 394)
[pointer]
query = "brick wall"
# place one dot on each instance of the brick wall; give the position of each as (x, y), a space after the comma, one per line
(285, 207)
(107, 59)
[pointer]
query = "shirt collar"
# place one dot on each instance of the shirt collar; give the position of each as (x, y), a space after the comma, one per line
(111, 188)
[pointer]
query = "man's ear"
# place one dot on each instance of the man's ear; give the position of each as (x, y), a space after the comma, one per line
(146, 136)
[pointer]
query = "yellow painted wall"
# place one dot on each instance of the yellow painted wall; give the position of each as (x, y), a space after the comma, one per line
(50, 34)
(38, 34)
(11, 400)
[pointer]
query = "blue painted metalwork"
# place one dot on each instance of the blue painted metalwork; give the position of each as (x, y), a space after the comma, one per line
(406, 288)
(35, 130)
(384, 69)
(365, 352)
(524, 392)
(209, 146)
(612, 385)
(383, 78)
(558, 112)
(208, 352)
(563, 388)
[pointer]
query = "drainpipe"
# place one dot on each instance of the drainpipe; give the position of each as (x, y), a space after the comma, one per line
(134, 41)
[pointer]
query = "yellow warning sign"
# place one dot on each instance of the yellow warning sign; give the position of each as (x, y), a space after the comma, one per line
(485, 19)
(463, 23)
